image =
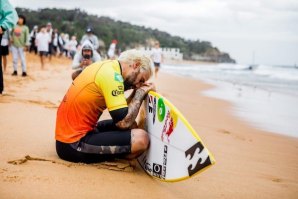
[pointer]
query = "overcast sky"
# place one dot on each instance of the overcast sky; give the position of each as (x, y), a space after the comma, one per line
(266, 28)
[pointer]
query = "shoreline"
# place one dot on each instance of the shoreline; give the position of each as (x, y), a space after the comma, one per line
(268, 162)
(188, 62)
(262, 107)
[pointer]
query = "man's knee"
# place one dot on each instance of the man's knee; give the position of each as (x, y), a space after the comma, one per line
(140, 140)
(75, 74)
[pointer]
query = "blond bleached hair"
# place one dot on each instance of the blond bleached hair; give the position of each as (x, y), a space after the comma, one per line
(133, 56)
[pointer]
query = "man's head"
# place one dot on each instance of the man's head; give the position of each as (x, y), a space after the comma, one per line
(87, 50)
(89, 31)
(138, 68)
(49, 26)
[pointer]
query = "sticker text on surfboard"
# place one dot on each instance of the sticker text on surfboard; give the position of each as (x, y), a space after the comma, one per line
(157, 170)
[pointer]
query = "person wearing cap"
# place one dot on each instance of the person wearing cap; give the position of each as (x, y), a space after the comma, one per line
(91, 37)
(33, 35)
(101, 86)
(8, 19)
(83, 58)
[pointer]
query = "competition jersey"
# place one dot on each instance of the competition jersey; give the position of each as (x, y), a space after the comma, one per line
(98, 87)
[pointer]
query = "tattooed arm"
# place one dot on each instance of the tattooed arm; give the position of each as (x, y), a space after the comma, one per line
(134, 106)
(130, 97)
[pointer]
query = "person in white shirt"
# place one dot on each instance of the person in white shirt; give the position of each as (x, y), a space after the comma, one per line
(112, 50)
(42, 43)
(157, 57)
(66, 44)
(72, 46)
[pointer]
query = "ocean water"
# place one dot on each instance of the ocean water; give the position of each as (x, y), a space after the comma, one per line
(265, 96)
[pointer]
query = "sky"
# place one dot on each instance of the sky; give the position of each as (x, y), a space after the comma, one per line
(251, 31)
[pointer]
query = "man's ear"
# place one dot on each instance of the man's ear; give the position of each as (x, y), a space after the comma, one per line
(136, 65)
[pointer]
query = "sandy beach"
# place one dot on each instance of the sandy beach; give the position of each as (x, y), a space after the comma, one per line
(250, 163)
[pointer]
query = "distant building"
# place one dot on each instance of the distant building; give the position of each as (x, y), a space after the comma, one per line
(168, 53)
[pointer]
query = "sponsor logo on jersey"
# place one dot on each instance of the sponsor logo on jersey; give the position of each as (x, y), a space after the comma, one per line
(117, 92)
(121, 88)
(198, 158)
(118, 77)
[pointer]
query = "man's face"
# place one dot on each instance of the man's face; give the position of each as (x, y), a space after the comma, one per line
(87, 53)
(135, 79)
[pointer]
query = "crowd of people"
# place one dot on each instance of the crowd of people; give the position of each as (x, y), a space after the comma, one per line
(47, 41)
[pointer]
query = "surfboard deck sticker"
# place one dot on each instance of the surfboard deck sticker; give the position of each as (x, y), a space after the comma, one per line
(176, 152)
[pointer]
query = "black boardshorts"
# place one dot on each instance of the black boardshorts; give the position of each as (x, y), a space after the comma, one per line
(104, 142)
(156, 64)
(4, 50)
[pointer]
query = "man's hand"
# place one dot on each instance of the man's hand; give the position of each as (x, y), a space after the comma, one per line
(85, 62)
(1, 31)
(148, 87)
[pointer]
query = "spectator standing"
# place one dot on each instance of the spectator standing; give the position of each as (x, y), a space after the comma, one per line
(66, 44)
(8, 19)
(42, 43)
(57, 42)
(50, 33)
(60, 44)
(20, 41)
(112, 49)
(91, 37)
(72, 46)
(157, 57)
(4, 47)
(33, 34)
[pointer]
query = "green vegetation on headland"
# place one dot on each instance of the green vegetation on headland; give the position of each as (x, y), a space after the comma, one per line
(74, 22)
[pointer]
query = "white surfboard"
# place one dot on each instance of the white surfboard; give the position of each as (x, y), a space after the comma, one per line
(176, 151)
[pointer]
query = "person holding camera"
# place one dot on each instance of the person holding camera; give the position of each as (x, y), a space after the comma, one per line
(83, 58)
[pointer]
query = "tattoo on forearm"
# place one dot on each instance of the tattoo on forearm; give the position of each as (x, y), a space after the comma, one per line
(133, 110)
(131, 96)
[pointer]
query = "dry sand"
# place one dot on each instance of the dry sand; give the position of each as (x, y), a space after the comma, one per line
(250, 163)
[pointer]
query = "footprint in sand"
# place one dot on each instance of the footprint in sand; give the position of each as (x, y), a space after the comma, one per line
(223, 131)
(276, 180)
(12, 179)
(118, 165)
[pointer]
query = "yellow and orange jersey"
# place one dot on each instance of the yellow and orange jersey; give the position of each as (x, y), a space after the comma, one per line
(98, 87)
